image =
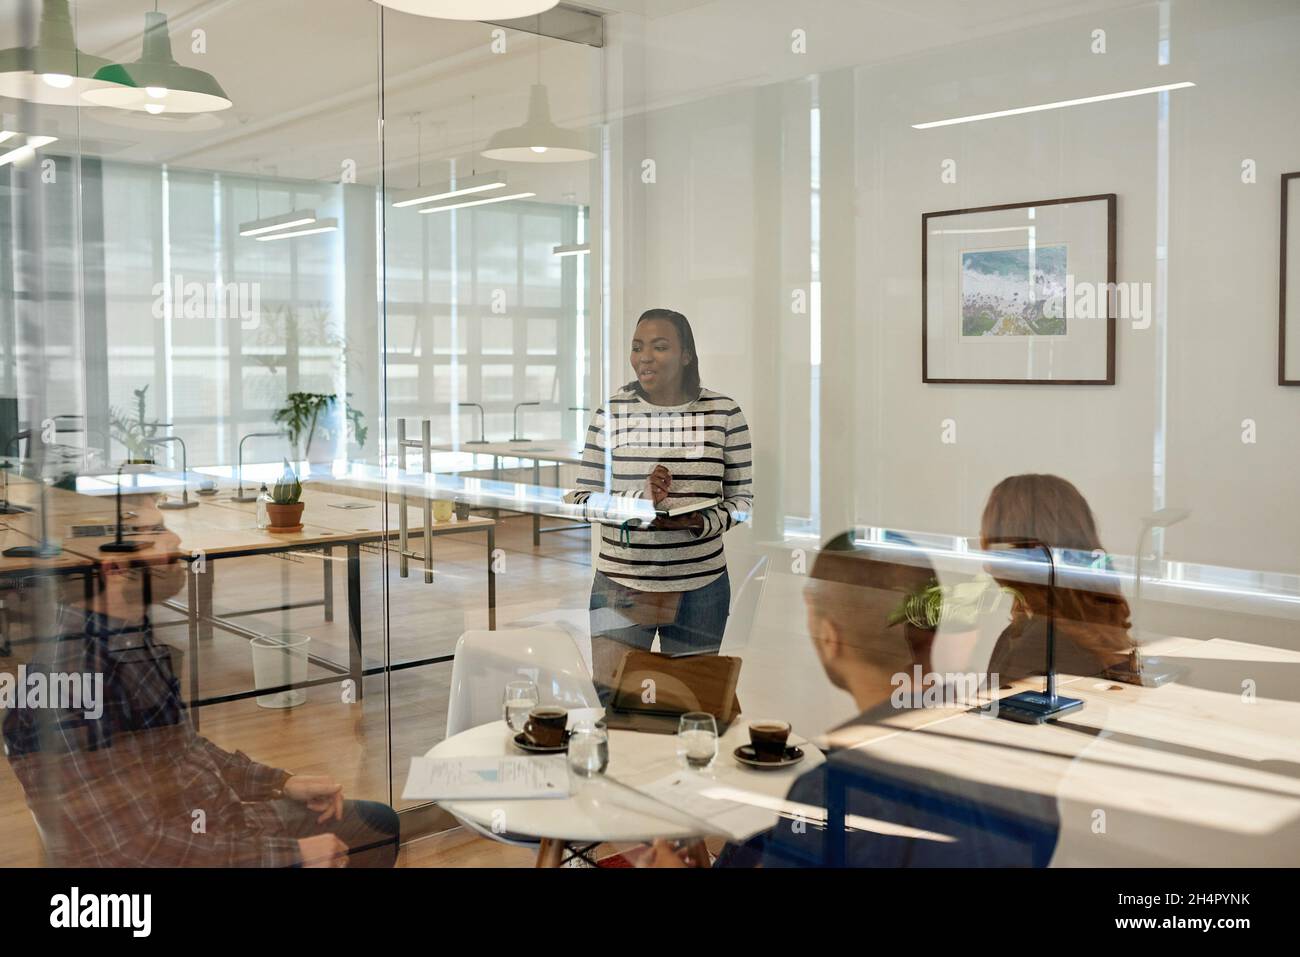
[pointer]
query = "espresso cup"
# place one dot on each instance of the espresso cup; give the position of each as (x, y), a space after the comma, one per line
(768, 738)
(545, 726)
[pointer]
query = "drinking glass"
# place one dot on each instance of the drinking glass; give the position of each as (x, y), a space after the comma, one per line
(588, 750)
(520, 698)
(697, 739)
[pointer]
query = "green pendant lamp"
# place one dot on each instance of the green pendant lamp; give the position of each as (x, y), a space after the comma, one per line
(156, 83)
(54, 72)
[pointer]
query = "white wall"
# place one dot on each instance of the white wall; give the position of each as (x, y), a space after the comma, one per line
(723, 235)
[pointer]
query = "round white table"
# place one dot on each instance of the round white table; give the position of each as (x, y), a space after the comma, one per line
(601, 810)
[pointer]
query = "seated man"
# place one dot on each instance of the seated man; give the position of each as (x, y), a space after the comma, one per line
(884, 816)
(124, 780)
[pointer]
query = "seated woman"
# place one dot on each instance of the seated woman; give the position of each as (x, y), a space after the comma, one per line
(1092, 624)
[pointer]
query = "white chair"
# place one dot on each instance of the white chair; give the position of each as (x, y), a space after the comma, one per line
(486, 660)
(744, 607)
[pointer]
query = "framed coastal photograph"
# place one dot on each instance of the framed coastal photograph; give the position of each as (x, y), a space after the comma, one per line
(1020, 293)
(1288, 325)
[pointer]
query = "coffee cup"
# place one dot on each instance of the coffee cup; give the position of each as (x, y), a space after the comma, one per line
(545, 726)
(768, 738)
(443, 510)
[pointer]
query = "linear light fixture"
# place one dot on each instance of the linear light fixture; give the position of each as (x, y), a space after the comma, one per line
(471, 9)
(1053, 106)
(28, 148)
(443, 207)
(317, 226)
(271, 224)
(464, 186)
(572, 249)
(6, 134)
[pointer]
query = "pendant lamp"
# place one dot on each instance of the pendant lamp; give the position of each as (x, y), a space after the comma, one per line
(539, 140)
(156, 83)
(54, 72)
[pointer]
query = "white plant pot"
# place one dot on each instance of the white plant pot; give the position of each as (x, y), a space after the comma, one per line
(280, 660)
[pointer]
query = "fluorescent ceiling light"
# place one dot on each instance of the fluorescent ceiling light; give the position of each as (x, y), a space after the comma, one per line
(156, 83)
(470, 9)
(28, 148)
(441, 207)
(464, 186)
(1053, 106)
(321, 226)
(572, 249)
(271, 224)
(6, 134)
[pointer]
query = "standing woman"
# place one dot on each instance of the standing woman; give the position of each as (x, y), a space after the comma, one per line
(665, 438)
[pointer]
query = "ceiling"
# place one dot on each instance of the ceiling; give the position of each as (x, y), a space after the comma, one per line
(305, 77)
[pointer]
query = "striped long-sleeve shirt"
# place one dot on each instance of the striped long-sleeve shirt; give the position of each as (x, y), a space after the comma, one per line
(705, 445)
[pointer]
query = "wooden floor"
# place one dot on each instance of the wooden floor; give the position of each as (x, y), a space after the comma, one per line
(364, 745)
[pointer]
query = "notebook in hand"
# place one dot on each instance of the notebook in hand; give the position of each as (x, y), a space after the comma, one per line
(685, 508)
(653, 691)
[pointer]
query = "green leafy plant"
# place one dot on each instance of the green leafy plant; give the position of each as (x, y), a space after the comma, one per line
(300, 415)
(133, 429)
(305, 414)
(288, 488)
(958, 605)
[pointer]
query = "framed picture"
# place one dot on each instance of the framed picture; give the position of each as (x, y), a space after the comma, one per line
(1288, 346)
(1022, 293)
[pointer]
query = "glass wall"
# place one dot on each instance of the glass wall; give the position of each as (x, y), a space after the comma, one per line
(335, 317)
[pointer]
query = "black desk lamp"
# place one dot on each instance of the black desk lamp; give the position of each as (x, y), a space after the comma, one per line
(1034, 707)
(482, 434)
(119, 543)
(44, 548)
(517, 437)
(185, 474)
(239, 495)
(7, 507)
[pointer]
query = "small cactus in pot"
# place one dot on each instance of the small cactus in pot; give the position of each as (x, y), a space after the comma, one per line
(285, 507)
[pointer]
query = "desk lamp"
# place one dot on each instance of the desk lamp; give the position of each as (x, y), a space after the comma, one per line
(1034, 707)
(185, 474)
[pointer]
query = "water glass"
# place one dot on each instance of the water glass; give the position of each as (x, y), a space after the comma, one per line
(520, 698)
(697, 739)
(588, 750)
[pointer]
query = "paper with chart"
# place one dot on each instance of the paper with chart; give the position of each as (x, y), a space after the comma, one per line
(734, 812)
(480, 779)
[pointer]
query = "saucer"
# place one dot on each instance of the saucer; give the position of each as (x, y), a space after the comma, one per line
(747, 756)
(523, 744)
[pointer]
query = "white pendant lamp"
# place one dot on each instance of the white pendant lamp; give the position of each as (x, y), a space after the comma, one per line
(54, 72)
(470, 9)
(156, 83)
(539, 140)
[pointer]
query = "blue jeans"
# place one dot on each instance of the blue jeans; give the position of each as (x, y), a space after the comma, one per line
(687, 622)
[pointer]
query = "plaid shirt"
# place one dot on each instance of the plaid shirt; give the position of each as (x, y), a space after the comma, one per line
(138, 787)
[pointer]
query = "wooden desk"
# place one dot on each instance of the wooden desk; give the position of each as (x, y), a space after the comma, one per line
(1189, 774)
(218, 529)
(537, 451)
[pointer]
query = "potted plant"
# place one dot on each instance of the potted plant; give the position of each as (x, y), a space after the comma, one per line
(134, 431)
(284, 510)
(957, 608)
(305, 414)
